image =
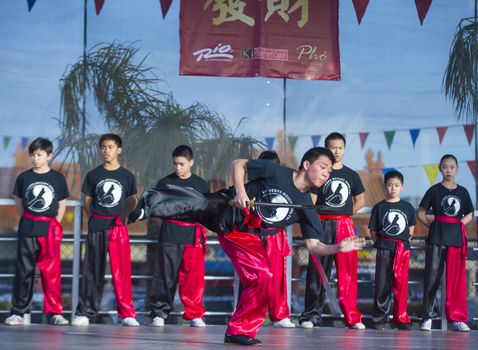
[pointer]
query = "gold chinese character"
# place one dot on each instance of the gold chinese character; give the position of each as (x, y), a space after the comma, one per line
(283, 10)
(233, 10)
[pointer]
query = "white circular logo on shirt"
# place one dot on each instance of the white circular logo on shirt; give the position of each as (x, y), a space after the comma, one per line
(273, 215)
(39, 196)
(450, 205)
(109, 193)
(336, 192)
(394, 222)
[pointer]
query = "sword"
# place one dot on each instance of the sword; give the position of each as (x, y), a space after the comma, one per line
(254, 203)
(334, 304)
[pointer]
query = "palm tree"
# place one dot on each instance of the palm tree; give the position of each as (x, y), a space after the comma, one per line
(127, 101)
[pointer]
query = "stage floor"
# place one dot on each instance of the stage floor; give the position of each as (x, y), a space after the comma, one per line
(39, 337)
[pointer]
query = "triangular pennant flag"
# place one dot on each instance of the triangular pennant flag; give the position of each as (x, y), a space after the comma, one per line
(441, 133)
(30, 4)
(414, 134)
(6, 141)
(469, 131)
(270, 142)
(24, 143)
(472, 166)
(363, 138)
(360, 7)
(422, 8)
(315, 140)
(99, 5)
(389, 135)
(386, 170)
(432, 172)
(293, 141)
(165, 5)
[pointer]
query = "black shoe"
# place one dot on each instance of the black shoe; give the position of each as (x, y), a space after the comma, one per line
(404, 326)
(240, 339)
(378, 326)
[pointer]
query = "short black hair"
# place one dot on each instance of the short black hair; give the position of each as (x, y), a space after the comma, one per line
(393, 174)
(270, 155)
(448, 156)
(41, 143)
(183, 151)
(334, 136)
(314, 153)
(113, 137)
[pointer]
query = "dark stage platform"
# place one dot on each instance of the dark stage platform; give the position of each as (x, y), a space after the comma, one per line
(39, 337)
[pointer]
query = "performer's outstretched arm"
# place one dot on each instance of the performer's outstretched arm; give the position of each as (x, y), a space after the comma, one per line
(316, 247)
(238, 174)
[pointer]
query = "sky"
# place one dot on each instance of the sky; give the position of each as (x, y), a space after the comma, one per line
(391, 68)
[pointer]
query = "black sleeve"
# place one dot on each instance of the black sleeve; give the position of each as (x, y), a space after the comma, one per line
(63, 188)
(310, 226)
(260, 169)
(205, 187)
(160, 183)
(467, 203)
(374, 223)
(358, 185)
(133, 189)
(412, 220)
(426, 201)
(88, 187)
(18, 188)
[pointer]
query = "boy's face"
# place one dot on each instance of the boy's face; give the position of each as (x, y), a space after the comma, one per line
(338, 149)
(182, 167)
(110, 150)
(319, 171)
(39, 158)
(448, 169)
(393, 187)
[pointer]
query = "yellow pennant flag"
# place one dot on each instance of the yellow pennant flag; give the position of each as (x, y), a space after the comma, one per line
(432, 172)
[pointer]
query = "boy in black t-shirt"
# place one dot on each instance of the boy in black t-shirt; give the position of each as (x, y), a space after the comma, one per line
(452, 208)
(109, 196)
(40, 195)
(181, 252)
(391, 225)
(341, 196)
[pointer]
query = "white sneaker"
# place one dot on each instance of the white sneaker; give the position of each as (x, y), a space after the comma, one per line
(80, 321)
(129, 322)
(14, 320)
(58, 320)
(197, 322)
(358, 326)
(426, 325)
(461, 327)
(157, 322)
(307, 324)
(285, 323)
(27, 319)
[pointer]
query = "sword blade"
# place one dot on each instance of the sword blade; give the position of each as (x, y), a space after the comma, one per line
(333, 303)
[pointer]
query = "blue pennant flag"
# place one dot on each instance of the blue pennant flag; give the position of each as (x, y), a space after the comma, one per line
(315, 140)
(30, 4)
(270, 142)
(414, 134)
(386, 170)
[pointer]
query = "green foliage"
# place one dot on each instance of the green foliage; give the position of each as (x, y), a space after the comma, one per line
(150, 122)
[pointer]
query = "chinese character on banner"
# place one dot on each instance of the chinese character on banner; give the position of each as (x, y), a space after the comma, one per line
(295, 39)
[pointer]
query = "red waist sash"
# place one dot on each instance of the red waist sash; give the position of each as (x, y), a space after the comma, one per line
(333, 217)
(200, 230)
(55, 231)
(399, 250)
(464, 239)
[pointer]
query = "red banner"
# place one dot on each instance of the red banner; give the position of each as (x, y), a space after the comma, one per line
(295, 39)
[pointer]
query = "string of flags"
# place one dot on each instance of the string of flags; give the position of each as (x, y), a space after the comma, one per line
(360, 6)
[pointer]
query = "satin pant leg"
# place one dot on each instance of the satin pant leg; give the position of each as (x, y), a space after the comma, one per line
(383, 285)
(456, 306)
(50, 272)
(435, 256)
(27, 251)
(92, 280)
(191, 281)
(400, 289)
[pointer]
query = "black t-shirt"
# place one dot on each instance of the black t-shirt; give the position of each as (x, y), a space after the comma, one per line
(172, 233)
(40, 194)
(272, 183)
(454, 203)
(109, 190)
(338, 191)
(392, 220)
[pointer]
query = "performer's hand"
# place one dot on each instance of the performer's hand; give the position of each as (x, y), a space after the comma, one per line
(350, 244)
(241, 199)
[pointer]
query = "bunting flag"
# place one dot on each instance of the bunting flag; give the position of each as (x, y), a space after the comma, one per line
(293, 141)
(24, 143)
(6, 141)
(363, 138)
(386, 170)
(360, 7)
(30, 4)
(60, 142)
(441, 133)
(99, 5)
(414, 135)
(422, 8)
(270, 142)
(432, 172)
(165, 5)
(389, 135)
(472, 166)
(469, 131)
(315, 140)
